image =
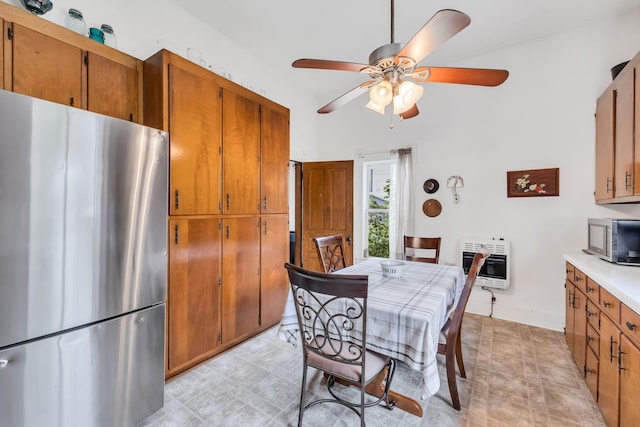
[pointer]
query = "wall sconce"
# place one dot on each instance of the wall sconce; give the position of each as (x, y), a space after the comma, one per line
(454, 182)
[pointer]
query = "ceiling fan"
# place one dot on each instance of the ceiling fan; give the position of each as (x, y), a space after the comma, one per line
(392, 67)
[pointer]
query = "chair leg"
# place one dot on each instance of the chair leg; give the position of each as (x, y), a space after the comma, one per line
(463, 374)
(451, 376)
(304, 386)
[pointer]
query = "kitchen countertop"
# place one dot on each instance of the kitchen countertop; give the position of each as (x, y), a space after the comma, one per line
(622, 281)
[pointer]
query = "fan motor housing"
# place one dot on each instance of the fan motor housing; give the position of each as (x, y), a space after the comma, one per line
(384, 58)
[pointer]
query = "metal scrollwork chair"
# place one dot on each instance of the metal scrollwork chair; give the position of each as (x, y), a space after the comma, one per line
(422, 243)
(450, 343)
(332, 312)
(330, 252)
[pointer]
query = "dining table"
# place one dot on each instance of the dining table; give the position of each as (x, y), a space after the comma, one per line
(404, 317)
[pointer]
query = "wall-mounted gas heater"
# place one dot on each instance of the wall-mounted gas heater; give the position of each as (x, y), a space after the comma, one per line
(495, 271)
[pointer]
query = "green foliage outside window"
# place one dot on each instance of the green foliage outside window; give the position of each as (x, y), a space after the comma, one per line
(379, 225)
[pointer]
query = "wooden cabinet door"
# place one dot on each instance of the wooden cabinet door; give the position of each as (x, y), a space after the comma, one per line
(605, 145)
(195, 130)
(570, 314)
(45, 67)
(241, 154)
(580, 330)
(112, 88)
(274, 282)
(623, 173)
(274, 155)
(636, 174)
(591, 373)
(194, 291)
(609, 380)
(2, 60)
(629, 383)
(240, 277)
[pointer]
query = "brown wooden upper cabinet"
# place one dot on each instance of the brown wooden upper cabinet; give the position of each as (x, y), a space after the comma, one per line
(2, 55)
(274, 143)
(47, 61)
(195, 130)
(112, 87)
(45, 67)
(618, 139)
(241, 154)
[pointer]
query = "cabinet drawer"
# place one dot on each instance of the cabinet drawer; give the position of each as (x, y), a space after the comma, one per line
(630, 323)
(593, 290)
(593, 315)
(570, 269)
(591, 373)
(610, 305)
(593, 339)
(580, 280)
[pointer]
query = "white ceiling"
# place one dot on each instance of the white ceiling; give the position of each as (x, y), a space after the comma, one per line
(281, 31)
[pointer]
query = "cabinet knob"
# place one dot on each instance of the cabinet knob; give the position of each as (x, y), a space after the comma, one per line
(606, 304)
(578, 278)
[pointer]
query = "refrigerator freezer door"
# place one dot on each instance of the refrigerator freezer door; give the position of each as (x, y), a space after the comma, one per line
(83, 209)
(104, 375)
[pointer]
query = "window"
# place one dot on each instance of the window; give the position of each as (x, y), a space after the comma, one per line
(376, 213)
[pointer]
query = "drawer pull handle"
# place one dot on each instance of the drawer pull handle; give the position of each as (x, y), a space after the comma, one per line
(578, 278)
(631, 326)
(606, 304)
(589, 338)
(590, 289)
(591, 313)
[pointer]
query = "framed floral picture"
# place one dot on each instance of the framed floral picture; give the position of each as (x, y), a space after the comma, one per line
(533, 183)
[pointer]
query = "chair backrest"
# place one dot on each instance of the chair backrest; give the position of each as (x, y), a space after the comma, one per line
(456, 316)
(422, 243)
(331, 311)
(330, 252)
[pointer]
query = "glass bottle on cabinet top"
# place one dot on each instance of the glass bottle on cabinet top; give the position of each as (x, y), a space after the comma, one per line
(109, 36)
(75, 22)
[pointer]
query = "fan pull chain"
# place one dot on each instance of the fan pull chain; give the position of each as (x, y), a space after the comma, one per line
(391, 122)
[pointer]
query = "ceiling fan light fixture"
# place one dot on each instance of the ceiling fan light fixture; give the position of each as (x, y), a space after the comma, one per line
(409, 93)
(381, 94)
(375, 107)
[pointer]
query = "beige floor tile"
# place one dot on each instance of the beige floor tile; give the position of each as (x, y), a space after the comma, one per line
(517, 375)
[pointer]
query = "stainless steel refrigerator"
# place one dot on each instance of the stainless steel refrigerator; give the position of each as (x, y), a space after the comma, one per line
(83, 268)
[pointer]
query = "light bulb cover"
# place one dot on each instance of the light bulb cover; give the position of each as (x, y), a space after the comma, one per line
(381, 94)
(408, 93)
(375, 107)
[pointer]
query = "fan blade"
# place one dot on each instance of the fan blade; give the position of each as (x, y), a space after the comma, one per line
(325, 64)
(440, 28)
(465, 76)
(345, 98)
(411, 112)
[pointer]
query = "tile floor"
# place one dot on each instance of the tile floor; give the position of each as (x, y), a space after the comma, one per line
(517, 375)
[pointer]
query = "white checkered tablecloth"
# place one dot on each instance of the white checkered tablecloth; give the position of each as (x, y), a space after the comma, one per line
(404, 314)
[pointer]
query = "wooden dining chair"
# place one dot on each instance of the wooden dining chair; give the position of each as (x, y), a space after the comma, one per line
(332, 317)
(330, 252)
(450, 343)
(414, 244)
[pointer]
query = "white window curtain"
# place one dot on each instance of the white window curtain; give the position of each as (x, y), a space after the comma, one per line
(401, 216)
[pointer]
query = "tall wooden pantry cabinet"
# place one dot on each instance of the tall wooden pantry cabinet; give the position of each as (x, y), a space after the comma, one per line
(228, 207)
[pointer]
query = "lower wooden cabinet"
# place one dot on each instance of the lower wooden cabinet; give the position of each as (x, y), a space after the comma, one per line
(274, 282)
(610, 354)
(609, 380)
(629, 382)
(193, 317)
(240, 277)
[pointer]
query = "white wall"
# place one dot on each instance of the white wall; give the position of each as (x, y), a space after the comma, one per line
(541, 117)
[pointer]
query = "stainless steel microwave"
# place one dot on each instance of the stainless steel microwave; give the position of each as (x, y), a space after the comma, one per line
(615, 240)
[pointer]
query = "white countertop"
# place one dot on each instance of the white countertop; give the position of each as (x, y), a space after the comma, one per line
(622, 281)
